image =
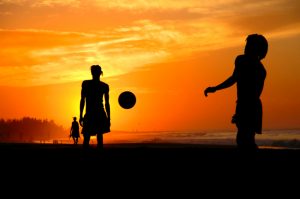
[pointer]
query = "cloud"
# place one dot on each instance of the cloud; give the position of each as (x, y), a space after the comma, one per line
(41, 3)
(121, 4)
(47, 57)
(266, 16)
(56, 41)
(51, 3)
(91, 15)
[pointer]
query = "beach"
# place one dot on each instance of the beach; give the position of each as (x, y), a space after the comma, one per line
(150, 167)
(145, 155)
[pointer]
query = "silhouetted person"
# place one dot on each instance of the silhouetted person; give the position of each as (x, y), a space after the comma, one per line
(249, 74)
(96, 120)
(74, 132)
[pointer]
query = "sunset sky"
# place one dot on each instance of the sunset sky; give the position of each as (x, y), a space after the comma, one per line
(166, 52)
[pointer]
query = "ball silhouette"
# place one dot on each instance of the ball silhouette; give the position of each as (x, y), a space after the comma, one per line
(127, 99)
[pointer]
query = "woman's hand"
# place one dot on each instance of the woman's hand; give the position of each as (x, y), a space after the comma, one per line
(81, 121)
(209, 90)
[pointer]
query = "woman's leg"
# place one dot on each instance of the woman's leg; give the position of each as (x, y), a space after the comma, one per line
(245, 139)
(86, 141)
(100, 141)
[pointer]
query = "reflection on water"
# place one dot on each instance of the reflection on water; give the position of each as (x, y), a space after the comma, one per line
(269, 138)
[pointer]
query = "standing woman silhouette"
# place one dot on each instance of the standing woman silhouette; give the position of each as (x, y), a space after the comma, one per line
(96, 120)
(249, 74)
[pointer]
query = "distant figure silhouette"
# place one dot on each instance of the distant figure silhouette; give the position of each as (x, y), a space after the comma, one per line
(249, 74)
(74, 132)
(96, 120)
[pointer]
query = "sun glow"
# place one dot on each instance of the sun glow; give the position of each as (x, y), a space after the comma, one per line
(166, 52)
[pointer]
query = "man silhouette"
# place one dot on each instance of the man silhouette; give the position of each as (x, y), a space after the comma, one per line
(96, 120)
(249, 74)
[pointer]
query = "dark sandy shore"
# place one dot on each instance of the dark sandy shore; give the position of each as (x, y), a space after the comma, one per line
(144, 155)
(162, 164)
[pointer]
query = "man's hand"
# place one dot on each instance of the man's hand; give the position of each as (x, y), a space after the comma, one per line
(209, 90)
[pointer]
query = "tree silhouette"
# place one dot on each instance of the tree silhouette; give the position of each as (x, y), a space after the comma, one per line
(29, 129)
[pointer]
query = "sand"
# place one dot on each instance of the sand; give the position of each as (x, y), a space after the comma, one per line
(144, 164)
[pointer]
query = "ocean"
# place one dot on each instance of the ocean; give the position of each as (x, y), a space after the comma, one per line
(286, 138)
(269, 138)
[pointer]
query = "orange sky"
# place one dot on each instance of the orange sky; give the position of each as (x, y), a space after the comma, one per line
(166, 52)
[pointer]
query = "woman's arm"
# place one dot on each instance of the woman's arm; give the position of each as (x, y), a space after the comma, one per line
(71, 130)
(82, 103)
(227, 83)
(107, 105)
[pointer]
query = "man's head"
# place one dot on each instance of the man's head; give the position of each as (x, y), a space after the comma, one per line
(96, 71)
